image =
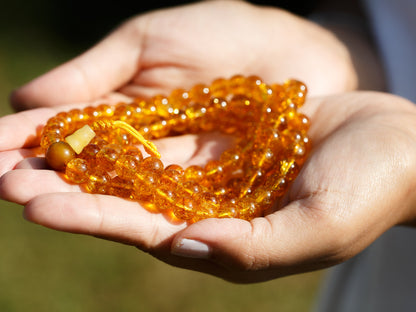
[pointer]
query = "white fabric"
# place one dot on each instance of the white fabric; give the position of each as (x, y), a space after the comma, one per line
(383, 277)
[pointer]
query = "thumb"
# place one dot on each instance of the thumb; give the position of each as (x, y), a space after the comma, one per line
(103, 68)
(293, 240)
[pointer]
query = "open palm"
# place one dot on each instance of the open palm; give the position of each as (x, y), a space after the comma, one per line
(355, 185)
(156, 52)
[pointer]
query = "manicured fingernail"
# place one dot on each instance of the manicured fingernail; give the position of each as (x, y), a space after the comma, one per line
(190, 248)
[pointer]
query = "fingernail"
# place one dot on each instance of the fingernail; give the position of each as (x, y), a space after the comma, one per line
(190, 248)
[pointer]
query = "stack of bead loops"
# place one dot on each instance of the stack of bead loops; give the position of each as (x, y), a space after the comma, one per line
(271, 144)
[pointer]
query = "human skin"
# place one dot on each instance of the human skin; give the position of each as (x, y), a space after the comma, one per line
(356, 184)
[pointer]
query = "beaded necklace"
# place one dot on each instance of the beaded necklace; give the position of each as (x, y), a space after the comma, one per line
(97, 147)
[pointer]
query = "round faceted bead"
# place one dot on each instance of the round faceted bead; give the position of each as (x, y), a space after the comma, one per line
(49, 138)
(58, 122)
(77, 170)
(228, 210)
(171, 178)
(107, 156)
(231, 157)
(91, 111)
(127, 166)
(289, 169)
(191, 187)
(219, 88)
(124, 112)
(58, 155)
(277, 184)
(194, 173)
(105, 110)
(214, 170)
(65, 116)
(120, 188)
(185, 208)
(299, 122)
(90, 151)
(161, 104)
(237, 84)
(151, 164)
(179, 98)
(203, 212)
(144, 186)
(99, 141)
(98, 182)
(160, 129)
(165, 197)
(249, 209)
(263, 158)
(176, 168)
(219, 103)
(76, 115)
(296, 91)
(207, 197)
(219, 191)
(207, 206)
(133, 151)
(263, 196)
(199, 93)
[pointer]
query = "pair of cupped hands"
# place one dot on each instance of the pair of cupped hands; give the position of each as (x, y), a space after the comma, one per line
(357, 182)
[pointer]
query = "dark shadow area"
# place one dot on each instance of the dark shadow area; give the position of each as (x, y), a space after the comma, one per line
(81, 23)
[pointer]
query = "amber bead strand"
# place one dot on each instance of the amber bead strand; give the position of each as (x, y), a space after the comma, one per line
(270, 147)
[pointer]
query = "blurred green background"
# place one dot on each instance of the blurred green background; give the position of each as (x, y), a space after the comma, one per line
(45, 270)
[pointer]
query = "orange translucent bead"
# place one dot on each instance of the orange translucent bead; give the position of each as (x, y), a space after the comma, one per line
(296, 91)
(90, 151)
(144, 186)
(165, 197)
(133, 151)
(270, 145)
(97, 182)
(176, 168)
(194, 173)
(199, 93)
(219, 88)
(107, 156)
(231, 157)
(151, 164)
(249, 209)
(191, 187)
(77, 170)
(105, 110)
(49, 138)
(120, 188)
(227, 210)
(214, 172)
(127, 166)
(185, 208)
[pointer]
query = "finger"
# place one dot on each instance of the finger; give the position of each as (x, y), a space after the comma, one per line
(293, 240)
(32, 163)
(104, 68)
(22, 129)
(20, 186)
(104, 216)
(9, 160)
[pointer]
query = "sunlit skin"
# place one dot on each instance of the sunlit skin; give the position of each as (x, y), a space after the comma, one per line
(358, 181)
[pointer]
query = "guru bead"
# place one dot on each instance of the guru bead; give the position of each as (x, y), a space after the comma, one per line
(58, 155)
(115, 156)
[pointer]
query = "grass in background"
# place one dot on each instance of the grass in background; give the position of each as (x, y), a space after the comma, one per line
(45, 270)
